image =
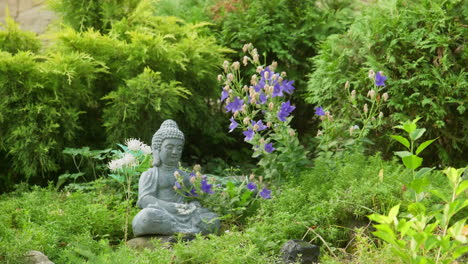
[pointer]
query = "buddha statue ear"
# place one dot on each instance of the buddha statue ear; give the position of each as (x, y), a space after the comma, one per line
(156, 159)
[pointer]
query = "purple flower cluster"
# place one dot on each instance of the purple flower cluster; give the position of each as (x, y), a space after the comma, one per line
(273, 79)
(265, 193)
(235, 105)
(206, 187)
(285, 110)
(319, 111)
(380, 79)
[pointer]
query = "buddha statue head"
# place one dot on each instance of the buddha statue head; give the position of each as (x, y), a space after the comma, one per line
(167, 144)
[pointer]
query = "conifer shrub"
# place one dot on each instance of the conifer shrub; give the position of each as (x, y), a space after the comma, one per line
(40, 105)
(92, 14)
(420, 46)
(13, 40)
(172, 65)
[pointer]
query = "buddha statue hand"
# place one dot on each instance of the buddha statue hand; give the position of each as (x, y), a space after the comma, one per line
(185, 209)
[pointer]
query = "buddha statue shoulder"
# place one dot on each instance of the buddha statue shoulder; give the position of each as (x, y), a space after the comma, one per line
(164, 211)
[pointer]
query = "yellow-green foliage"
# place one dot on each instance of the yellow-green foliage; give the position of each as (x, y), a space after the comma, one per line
(13, 40)
(40, 106)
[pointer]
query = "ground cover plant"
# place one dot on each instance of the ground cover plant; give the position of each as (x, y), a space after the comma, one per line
(382, 181)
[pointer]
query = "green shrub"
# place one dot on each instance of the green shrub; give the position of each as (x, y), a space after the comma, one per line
(419, 45)
(192, 11)
(88, 14)
(40, 105)
(13, 40)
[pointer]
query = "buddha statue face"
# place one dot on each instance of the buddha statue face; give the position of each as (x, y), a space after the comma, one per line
(171, 151)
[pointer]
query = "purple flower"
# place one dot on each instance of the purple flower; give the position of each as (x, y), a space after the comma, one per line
(206, 187)
(262, 98)
(193, 193)
(260, 125)
(251, 186)
(277, 91)
(236, 105)
(248, 134)
(233, 124)
(224, 95)
(288, 86)
(319, 111)
(265, 193)
(285, 110)
(380, 79)
(177, 185)
(269, 147)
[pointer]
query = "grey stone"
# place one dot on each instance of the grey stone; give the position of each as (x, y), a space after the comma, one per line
(164, 211)
(37, 257)
(31, 15)
(300, 250)
(140, 243)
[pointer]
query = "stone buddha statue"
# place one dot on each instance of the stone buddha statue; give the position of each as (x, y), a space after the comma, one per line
(165, 212)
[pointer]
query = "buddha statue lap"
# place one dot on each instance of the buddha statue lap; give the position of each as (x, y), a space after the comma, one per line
(164, 212)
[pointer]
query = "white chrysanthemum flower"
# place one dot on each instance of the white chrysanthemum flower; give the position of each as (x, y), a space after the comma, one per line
(133, 144)
(114, 165)
(145, 148)
(129, 160)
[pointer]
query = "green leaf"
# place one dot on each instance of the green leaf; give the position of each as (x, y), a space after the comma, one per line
(441, 195)
(394, 212)
(417, 133)
(463, 186)
(402, 154)
(412, 162)
(402, 140)
(381, 219)
(409, 127)
(419, 184)
(424, 145)
(421, 172)
(417, 209)
(453, 175)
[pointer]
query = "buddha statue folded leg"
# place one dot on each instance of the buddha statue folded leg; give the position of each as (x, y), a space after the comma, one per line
(153, 221)
(209, 222)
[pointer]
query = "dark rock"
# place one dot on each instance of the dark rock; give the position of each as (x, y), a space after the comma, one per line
(300, 250)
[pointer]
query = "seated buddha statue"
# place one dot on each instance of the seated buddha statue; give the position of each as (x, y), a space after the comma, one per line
(164, 211)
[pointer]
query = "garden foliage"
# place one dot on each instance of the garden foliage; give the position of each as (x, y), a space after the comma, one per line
(420, 46)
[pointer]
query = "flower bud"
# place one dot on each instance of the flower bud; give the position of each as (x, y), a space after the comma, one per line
(266, 75)
(245, 61)
(373, 119)
(274, 77)
(283, 74)
(260, 179)
(245, 48)
(255, 127)
(371, 94)
(245, 88)
(280, 79)
(268, 124)
(230, 77)
(193, 179)
(381, 115)
(291, 132)
(197, 167)
(176, 174)
(262, 141)
(255, 58)
(271, 105)
(246, 120)
(254, 80)
(322, 117)
(365, 109)
(174, 187)
(319, 133)
(371, 74)
(225, 66)
(226, 88)
(351, 131)
(259, 69)
(220, 78)
(236, 113)
(236, 65)
(346, 85)
(198, 174)
(273, 65)
(251, 177)
(244, 108)
(385, 97)
(353, 94)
